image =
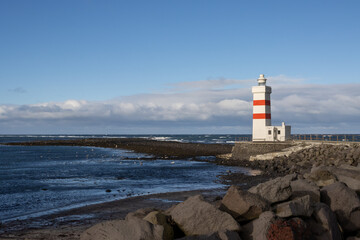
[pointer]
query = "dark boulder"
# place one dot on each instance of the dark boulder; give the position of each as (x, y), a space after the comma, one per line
(345, 203)
(195, 216)
(243, 205)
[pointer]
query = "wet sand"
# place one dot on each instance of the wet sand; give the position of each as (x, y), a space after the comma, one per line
(69, 224)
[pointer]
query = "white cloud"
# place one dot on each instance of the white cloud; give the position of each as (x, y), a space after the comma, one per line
(306, 107)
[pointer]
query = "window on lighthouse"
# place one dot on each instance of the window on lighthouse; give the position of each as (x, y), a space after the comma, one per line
(279, 132)
(269, 132)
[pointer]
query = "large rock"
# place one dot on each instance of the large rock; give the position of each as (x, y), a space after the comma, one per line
(243, 205)
(130, 229)
(198, 217)
(351, 182)
(298, 207)
(345, 203)
(228, 235)
(275, 190)
(159, 218)
(347, 174)
(329, 227)
(292, 229)
(302, 187)
(257, 229)
(322, 177)
(222, 235)
(140, 213)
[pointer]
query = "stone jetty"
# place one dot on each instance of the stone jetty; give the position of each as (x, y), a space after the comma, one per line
(292, 157)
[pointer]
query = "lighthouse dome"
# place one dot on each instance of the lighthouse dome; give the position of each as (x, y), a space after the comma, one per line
(262, 80)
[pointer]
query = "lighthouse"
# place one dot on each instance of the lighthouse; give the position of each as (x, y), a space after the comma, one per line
(262, 129)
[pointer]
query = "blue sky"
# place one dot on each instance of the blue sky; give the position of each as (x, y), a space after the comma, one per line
(153, 66)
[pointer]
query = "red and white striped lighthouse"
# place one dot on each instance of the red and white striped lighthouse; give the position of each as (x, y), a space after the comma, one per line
(262, 129)
(261, 109)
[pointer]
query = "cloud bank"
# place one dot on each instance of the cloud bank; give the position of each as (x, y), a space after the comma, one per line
(210, 106)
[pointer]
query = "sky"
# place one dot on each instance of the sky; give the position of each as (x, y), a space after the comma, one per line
(177, 67)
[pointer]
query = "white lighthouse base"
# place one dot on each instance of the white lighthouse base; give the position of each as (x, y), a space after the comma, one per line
(275, 133)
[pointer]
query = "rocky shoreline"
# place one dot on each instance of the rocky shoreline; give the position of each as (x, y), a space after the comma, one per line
(313, 206)
(319, 199)
(308, 193)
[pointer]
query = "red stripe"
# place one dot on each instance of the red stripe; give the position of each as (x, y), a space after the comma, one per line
(261, 102)
(261, 116)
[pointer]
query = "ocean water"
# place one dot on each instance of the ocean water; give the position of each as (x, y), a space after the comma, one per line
(37, 180)
(209, 138)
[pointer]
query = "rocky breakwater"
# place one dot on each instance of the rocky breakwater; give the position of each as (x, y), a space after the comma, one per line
(322, 204)
(319, 154)
(297, 158)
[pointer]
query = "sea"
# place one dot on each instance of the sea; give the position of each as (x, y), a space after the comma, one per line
(40, 180)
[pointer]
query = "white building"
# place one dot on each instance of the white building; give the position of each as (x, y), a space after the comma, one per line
(262, 129)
